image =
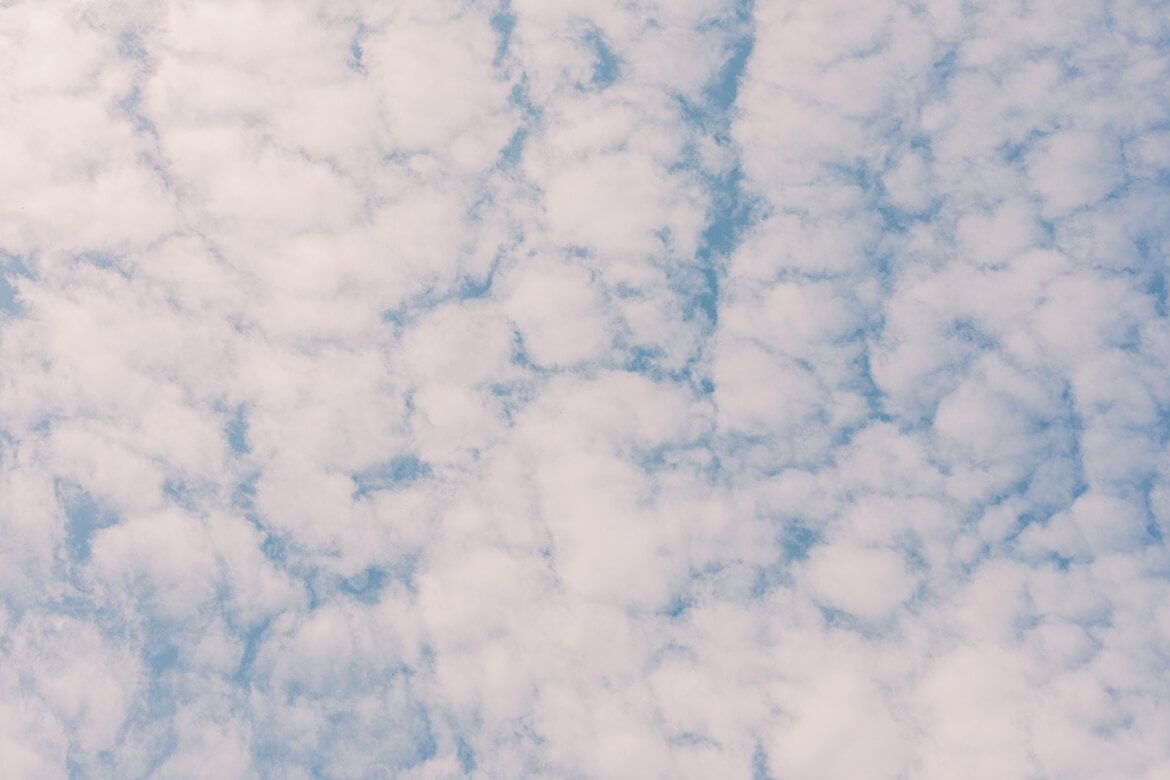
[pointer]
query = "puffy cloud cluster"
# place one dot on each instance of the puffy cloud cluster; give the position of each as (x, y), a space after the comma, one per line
(619, 389)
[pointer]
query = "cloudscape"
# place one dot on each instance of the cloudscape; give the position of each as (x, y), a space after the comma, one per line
(772, 389)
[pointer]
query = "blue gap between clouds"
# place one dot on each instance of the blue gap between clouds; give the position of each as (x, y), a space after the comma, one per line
(236, 431)
(183, 494)
(356, 52)
(691, 739)
(11, 265)
(252, 636)
(368, 585)
(1154, 534)
(732, 207)
(85, 516)
(392, 474)
(866, 385)
(679, 606)
(465, 754)
(8, 302)
(606, 66)
(131, 47)
(503, 22)
(131, 106)
(795, 540)
(1155, 285)
(760, 768)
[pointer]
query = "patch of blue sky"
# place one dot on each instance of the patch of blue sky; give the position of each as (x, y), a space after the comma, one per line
(691, 740)
(678, 606)
(900, 219)
(85, 516)
(1151, 262)
(644, 359)
(503, 22)
(424, 747)
(732, 212)
(512, 391)
(131, 46)
(732, 209)
(106, 261)
(159, 650)
(244, 496)
(252, 637)
(869, 181)
(9, 302)
(696, 456)
(520, 355)
(464, 754)
(12, 267)
(768, 577)
(356, 49)
(1056, 480)
(274, 546)
(393, 474)
(872, 628)
(967, 331)
(1155, 534)
(465, 287)
(721, 93)
(760, 764)
(236, 431)
(131, 107)
(796, 540)
(519, 98)
(861, 381)
(513, 151)
(606, 64)
(1015, 151)
(1045, 491)
(8, 445)
(368, 585)
(184, 494)
(942, 70)
(473, 288)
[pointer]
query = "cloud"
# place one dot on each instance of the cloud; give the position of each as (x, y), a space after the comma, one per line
(693, 389)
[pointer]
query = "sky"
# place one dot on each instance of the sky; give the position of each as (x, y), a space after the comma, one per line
(764, 389)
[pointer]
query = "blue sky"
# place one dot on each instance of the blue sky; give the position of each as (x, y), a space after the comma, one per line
(567, 390)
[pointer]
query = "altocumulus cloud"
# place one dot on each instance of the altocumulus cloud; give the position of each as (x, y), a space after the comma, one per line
(615, 389)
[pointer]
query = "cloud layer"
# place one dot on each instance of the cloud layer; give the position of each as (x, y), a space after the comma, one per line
(713, 388)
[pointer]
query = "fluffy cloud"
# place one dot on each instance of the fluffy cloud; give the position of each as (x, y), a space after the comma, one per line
(693, 389)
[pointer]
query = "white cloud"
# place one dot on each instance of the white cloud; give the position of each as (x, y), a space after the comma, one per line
(869, 583)
(556, 308)
(517, 389)
(1075, 169)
